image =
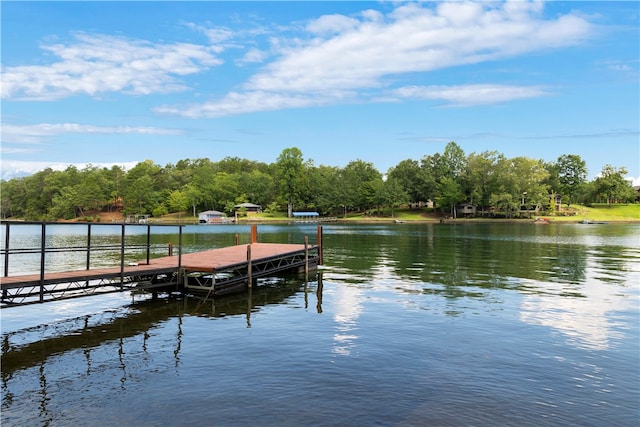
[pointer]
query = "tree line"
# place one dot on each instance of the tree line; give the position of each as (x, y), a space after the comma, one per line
(488, 180)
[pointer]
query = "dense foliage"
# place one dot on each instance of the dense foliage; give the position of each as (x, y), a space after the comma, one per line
(488, 180)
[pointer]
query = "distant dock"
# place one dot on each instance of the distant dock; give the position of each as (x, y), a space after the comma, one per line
(210, 272)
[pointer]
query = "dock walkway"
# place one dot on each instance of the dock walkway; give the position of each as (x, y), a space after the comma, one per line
(214, 272)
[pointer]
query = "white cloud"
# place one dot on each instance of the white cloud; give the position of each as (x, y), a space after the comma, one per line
(35, 134)
(243, 102)
(16, 168)
(468, 95)
(330, 24)
(95, 64)
(417, 42)
(253, 55)
(345, 55)
(635, 182)
(215, 35)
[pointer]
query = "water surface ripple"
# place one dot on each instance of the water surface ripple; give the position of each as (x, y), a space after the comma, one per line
(405, 325)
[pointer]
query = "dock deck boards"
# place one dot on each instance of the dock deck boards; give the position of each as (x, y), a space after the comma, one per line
(202, 261)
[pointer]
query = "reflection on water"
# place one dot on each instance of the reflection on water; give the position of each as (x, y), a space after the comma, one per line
(347, 309)
(588, 314)
(492, 324)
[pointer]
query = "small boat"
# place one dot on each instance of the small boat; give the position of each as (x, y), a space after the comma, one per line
(541, 221)
(589, 221)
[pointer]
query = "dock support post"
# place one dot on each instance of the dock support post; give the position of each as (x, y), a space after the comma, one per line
(122, 233)
(6, 257)
(43, 243)
(6, 250)
(180, 247)
(249, 272)
(320, 245)
(88, 246)
(237, 239)
(306, 259)
(254, 233)
(148, 242)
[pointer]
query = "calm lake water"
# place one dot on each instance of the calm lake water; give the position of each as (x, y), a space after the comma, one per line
(405, 325)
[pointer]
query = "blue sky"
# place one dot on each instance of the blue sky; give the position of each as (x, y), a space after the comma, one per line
(121, 82)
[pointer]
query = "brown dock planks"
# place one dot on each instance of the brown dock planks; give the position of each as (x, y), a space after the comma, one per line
(202, 261)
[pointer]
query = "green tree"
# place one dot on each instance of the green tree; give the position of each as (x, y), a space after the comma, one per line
(613, 187)
(142, 187)
(65, 204)
(572, 173)
(328, 197)
(201, 191)
(450, 193)
(257, 186)
(430, 174)
(481, 176)
(38, 201)
(288, 173)
(178, 201)
(224, 190)
(140, 196)
(194, 197)
(504, 202)
(359, 179)
(453, 161)
(394, 195)
(13, 198)
(411, 178)
(93, 190)
(522, 178)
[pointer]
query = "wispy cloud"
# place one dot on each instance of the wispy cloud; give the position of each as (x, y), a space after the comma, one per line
(35, 134)
(613, 133)
(245, 102)
(215, 34)
(350, 58)
(608, 134)
(470, 95)
(96, 64)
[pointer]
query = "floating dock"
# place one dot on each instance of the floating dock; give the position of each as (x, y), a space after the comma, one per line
(210, 272)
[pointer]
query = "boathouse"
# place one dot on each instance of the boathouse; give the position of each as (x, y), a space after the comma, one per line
(305, 215)
(211, 217)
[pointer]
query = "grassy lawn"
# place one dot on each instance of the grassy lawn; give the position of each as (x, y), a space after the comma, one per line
(602, 212)
(595, 213)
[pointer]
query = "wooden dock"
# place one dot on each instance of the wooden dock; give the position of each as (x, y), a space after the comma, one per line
(212, 272)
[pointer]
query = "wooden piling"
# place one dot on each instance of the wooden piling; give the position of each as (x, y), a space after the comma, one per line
(254, 233)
